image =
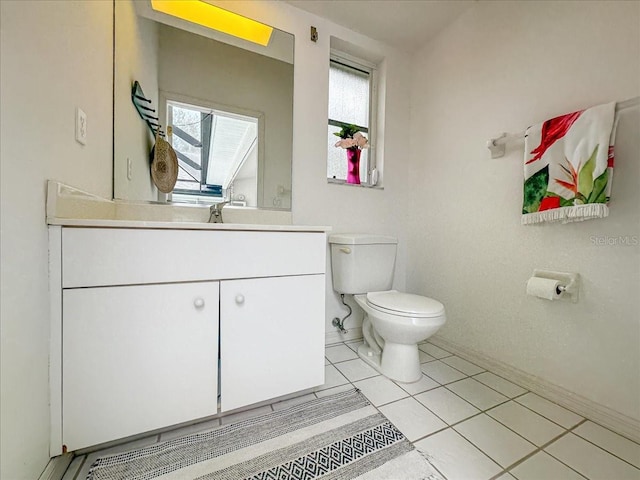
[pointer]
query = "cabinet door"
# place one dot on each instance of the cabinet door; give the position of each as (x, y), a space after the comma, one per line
(137, 358)
(272, 338)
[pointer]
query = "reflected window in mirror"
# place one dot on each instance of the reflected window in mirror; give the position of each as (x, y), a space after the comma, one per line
(352, 85)
(216, 149)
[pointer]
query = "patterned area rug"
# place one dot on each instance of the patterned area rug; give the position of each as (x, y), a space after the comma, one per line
(337, 437)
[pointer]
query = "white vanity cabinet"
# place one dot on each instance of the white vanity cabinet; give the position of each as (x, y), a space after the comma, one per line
(137, 358)
(268, 345)
(143, 317)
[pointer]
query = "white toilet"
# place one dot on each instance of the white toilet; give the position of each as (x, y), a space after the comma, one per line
(395, 322)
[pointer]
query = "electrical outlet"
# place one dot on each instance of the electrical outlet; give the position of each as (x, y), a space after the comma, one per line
(81, 126)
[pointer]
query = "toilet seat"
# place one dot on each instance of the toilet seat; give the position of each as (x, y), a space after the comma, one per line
(405, 304)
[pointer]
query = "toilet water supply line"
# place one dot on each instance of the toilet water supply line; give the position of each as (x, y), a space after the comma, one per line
(339, 322)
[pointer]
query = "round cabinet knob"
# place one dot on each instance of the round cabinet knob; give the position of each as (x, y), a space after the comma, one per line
(239, 299)
(198, 302)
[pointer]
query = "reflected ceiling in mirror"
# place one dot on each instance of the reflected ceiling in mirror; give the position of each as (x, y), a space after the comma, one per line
(225, 103)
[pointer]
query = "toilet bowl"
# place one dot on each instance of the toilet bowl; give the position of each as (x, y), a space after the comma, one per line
(362, 265)
(394, 324)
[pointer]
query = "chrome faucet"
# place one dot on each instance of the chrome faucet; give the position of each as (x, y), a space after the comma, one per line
(215, 212)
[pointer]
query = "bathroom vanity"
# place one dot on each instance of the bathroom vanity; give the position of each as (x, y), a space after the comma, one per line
(156, 324)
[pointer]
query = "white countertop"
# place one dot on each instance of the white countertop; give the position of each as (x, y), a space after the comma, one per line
(107, 223)
(70, 207)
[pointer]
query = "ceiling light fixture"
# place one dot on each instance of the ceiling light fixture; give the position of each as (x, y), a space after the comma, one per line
(207, 15)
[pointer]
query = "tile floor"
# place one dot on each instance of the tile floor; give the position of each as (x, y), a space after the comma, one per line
(471, 423)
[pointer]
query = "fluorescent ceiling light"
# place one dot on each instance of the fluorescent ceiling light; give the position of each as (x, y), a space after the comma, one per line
(207, 15)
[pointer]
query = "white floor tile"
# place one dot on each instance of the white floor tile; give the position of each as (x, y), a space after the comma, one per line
(507, 476)
(591, 461)
(505, 387)
(290, 402)
(548, 409)
(339, 353)
(462, 365)
(412, 418)
(354, 345)
(422, 385)
(544, 466)
(610, 441)
(446, 405)
(240, 416)
(425, 357)
(380, 390)
(456, 458)
(434, 351)
(326, 361)
(73, 468)
(189, 429)
(332, 378)
(535, 428)
(331, 391)
(477, 394)
(494, 439)
(356, 370)
(441, 372)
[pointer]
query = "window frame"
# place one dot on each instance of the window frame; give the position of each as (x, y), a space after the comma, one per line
(371, 69)
(194, 197)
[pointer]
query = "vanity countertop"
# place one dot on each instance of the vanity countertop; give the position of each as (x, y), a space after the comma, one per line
(70, 207)
(108, 223)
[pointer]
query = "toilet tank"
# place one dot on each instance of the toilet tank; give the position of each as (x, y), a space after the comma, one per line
(362, 263)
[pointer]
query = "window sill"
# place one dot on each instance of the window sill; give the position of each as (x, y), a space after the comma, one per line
(335, 181)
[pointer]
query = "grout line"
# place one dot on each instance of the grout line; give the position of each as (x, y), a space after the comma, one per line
(473, 404)
(543, 416)
(600, 446)
(343, 361)
(585, 420)
(542, 449)
(495, 390)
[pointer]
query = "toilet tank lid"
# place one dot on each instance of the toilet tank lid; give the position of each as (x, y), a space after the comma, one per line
(361, 239)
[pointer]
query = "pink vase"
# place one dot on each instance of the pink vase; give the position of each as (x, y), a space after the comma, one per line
(353, 165)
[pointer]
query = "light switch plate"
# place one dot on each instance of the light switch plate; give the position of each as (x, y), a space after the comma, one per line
(81, 126)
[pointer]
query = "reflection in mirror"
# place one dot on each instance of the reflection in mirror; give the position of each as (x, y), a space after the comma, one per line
(227, 110)
(217, 152)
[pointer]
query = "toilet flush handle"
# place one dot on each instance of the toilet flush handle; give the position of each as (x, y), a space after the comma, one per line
(346, 250)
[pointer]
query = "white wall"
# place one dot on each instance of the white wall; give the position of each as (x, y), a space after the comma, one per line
(136, 51)
(55, 56)
(501, 67)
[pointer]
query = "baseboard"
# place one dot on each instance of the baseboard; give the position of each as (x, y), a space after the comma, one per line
(605, 416)
(56, 467)
(337, 337)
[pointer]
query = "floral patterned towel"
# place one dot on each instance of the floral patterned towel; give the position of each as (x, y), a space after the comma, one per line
(568, 166)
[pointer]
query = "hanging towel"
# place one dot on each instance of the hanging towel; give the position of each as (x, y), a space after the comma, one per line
(568, 166)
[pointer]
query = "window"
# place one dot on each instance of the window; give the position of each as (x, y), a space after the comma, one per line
(351, 102)
(212, 146)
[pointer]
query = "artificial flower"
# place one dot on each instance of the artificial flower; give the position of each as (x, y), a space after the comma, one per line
(351, 138)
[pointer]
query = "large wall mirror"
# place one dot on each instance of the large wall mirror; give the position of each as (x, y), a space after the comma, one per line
(225, 105)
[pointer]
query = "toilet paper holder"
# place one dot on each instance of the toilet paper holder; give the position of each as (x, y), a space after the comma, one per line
(569, 287)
